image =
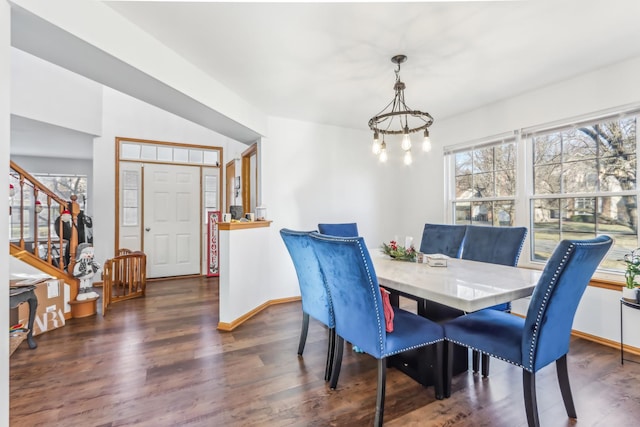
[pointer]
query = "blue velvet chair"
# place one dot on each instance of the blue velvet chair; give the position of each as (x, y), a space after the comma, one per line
(349, 229)
(316, 302)
(359, 314)
(442, 239)
(543, 336)
(495, 245)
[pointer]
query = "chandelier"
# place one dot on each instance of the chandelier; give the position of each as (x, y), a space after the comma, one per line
(398, 119)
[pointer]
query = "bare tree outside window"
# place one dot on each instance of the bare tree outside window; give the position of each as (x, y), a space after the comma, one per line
(485, 185)
(590, 173)
(63, 186)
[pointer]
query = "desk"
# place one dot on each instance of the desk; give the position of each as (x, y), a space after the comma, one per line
(25, 294)
(443, 293)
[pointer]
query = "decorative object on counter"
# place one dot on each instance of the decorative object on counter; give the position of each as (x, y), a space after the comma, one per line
(236, 211)
(398, 119)
(399, 252)
(632, 261)
(437, 260)
(261, 213)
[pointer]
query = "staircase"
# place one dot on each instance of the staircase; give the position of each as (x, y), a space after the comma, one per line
(33, 237)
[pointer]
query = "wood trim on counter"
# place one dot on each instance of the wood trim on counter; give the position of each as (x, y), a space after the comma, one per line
(242, 225)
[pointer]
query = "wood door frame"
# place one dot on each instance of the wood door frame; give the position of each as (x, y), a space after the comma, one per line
(246, 178)
(117, 188)
(229, 176)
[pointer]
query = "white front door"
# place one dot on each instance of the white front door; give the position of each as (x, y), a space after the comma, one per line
(171, 220)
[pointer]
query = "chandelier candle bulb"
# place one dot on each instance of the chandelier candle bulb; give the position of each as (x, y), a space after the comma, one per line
(406, 141)
(399, 119)
(383, 152)
(426, 142)
(376, 144)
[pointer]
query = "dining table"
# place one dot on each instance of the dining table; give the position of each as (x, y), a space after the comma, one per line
(464, 285)
(445, 292)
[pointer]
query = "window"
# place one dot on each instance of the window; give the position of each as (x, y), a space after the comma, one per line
(485, 184)
(574, 180)
(63, 186)
(584, 185)
(131, 181)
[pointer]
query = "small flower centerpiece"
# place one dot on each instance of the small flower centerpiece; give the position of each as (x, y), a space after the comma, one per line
(632, 261)
(398, 252)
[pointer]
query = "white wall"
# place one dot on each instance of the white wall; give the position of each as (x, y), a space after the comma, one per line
(124, 116)
(119, 41)
(314, 173)
(5, 114)
(47, 93)
(602, 89)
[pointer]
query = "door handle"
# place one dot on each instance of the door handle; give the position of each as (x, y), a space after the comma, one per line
(147, 229)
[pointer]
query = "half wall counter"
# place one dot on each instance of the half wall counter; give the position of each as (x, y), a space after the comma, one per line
(243, 267)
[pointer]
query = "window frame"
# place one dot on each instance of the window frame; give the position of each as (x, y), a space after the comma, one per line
(596, 195)
(450, 165)
(524, 193)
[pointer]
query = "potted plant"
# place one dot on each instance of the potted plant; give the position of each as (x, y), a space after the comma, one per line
(632, 261)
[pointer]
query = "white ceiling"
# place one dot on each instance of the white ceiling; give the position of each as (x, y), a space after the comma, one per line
(330, 62)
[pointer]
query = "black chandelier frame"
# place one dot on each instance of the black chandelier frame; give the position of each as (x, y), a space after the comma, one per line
(399, 108)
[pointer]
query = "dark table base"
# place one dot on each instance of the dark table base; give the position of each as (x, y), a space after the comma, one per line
(418, 364)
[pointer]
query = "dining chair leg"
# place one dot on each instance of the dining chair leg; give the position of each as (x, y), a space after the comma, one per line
(476, 361)
(438, 373)
(485, 365)
(331, 349)
(303, 333)
(530, 403)
(448, 370)
(565, 388)
(382, 381)
(337, 362)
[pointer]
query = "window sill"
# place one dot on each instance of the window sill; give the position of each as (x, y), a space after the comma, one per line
(605, 280)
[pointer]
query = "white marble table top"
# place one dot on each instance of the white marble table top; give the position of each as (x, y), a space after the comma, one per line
(465, 285)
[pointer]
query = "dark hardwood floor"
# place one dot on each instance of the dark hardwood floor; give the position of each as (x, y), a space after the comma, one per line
(160, 361)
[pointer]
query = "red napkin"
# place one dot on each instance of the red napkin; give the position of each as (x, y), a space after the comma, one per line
(388, 309)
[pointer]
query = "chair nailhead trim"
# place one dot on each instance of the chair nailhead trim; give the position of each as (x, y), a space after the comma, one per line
(373, 290)
(489, 354)
(414, 347)
(547, 293)
(543, 305)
